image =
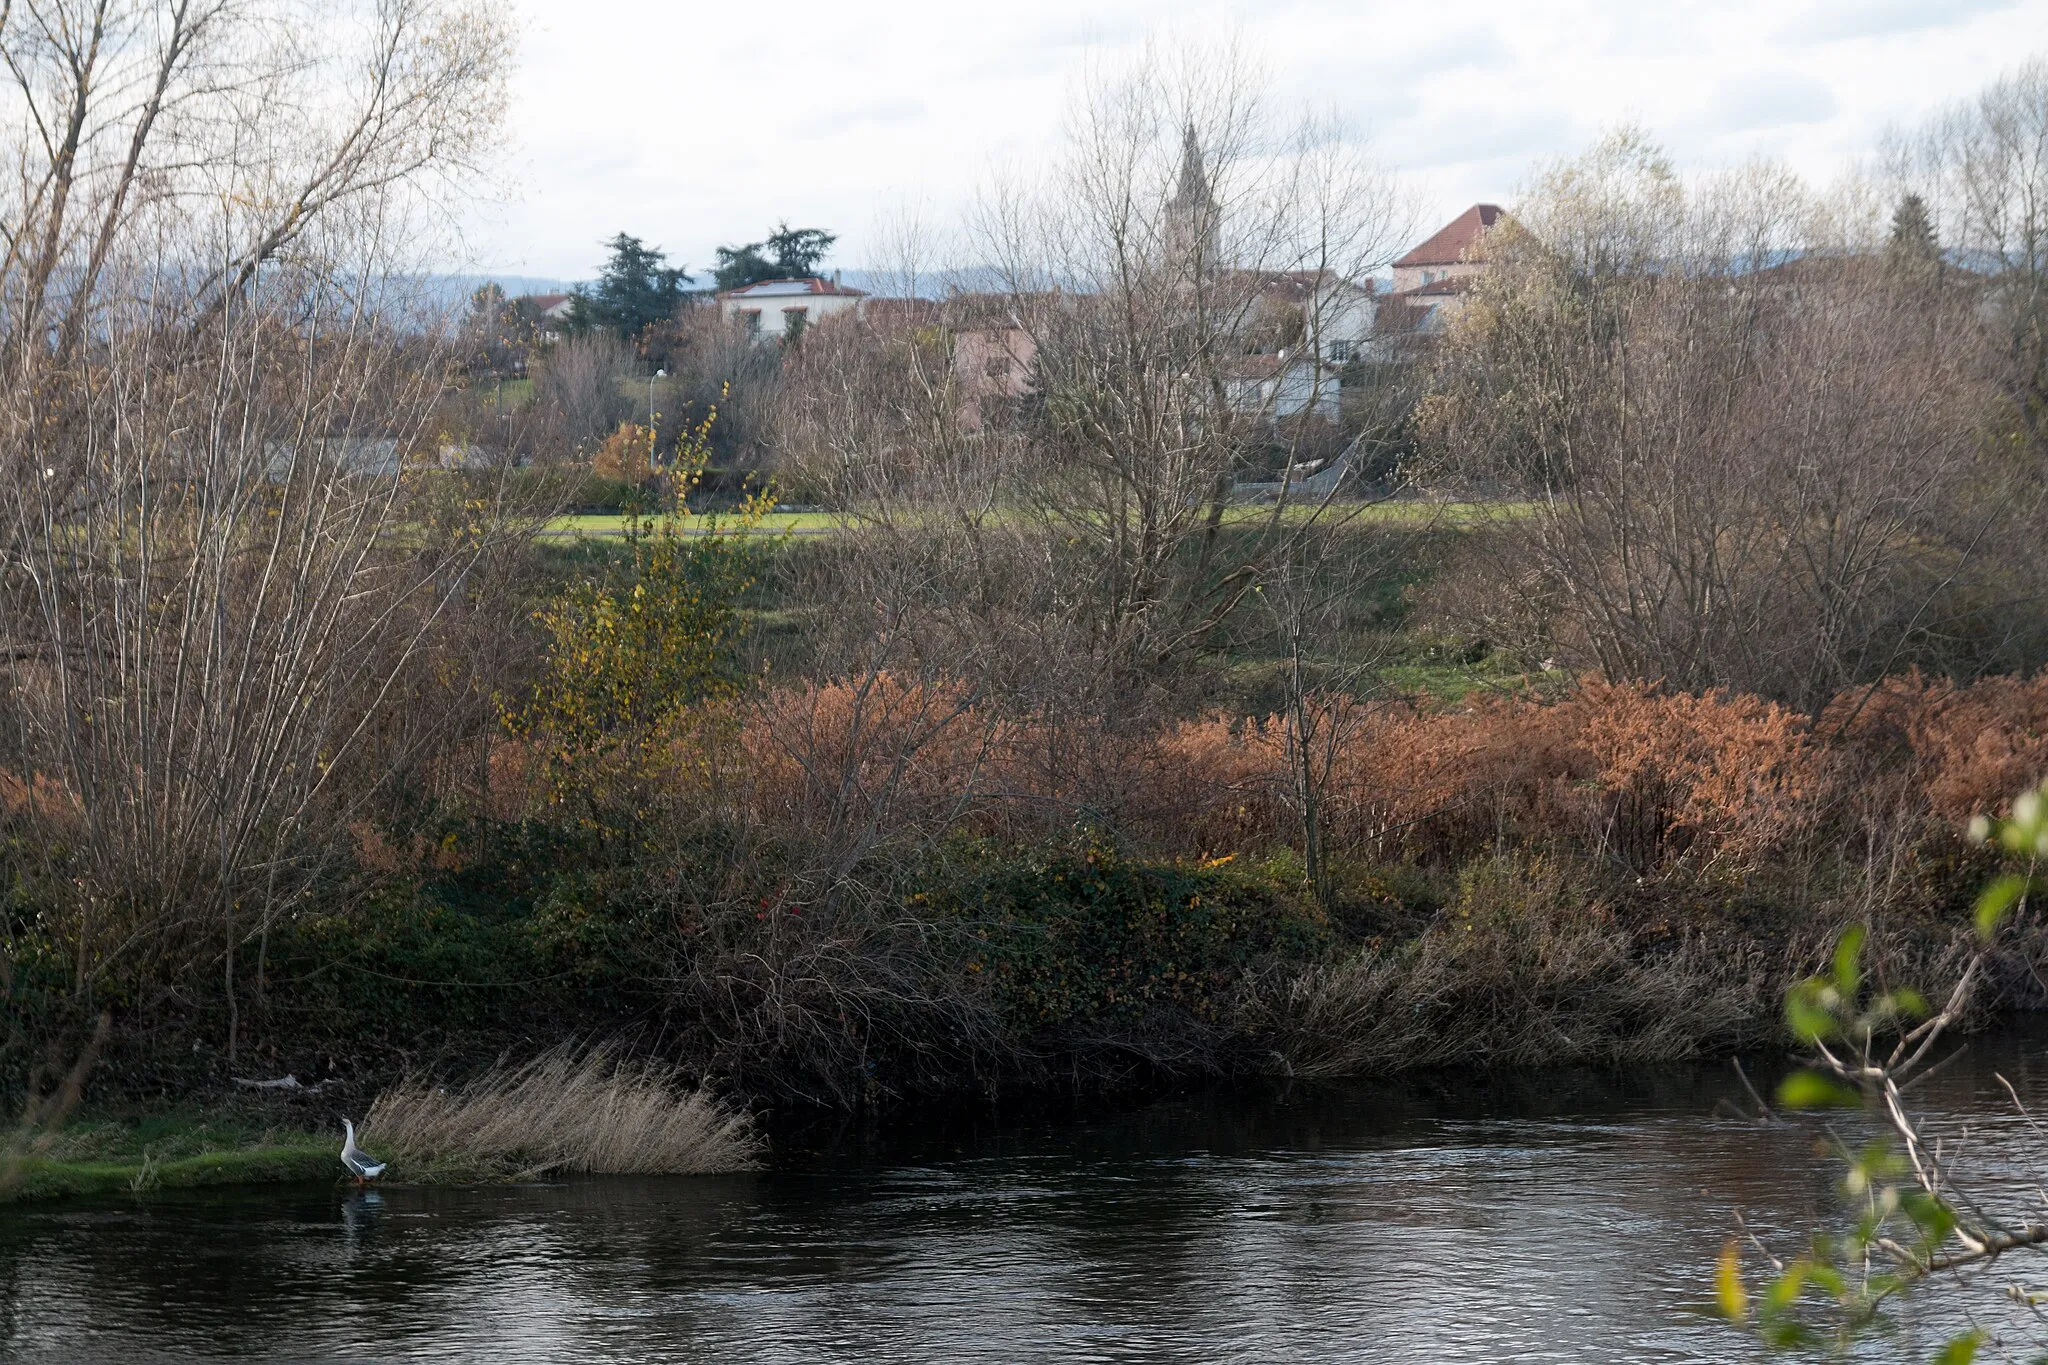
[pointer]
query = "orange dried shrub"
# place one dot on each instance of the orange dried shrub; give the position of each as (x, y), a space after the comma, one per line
(1214, 786)
(1642, 774)
(376, 853)
(1972, 747)
(625, 455)
(829, 754)
(511, 781)
(1726, 775)
(1624, 773)
(38, 795)
(1451, 783)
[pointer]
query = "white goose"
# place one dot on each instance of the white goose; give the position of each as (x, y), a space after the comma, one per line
(356, 1159)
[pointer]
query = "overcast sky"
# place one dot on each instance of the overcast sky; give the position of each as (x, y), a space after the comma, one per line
(690, 125)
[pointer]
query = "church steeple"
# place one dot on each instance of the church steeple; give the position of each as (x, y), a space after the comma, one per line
(1194, 181)
(1191, 213)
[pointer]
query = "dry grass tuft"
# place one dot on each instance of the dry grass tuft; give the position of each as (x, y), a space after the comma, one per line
(570, 1109)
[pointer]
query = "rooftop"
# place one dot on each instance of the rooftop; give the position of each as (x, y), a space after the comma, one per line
(1439, 288)
(810, 285)
(1457, 240)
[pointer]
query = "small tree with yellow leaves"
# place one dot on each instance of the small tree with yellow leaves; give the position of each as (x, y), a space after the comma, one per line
(642, 665)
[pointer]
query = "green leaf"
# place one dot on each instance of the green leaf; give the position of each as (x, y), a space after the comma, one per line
(1961, 1351)
(1809, 1020)
(1783, 1290)
(1811, 1090)
(1908, 1002)
(1787, 1333)
(1848, 952)
(1728, 1291)
(1996, 900)
(1934, 1218)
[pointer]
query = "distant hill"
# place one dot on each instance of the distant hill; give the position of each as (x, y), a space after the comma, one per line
(457, 288)
(454, 290)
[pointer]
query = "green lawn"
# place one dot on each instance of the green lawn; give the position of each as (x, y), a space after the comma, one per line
(775, 523)
(1387, 513)
(174, 1150)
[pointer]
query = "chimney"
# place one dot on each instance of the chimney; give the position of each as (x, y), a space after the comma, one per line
(835, 279)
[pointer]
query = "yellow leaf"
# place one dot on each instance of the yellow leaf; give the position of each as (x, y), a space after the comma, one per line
(1728, 1290)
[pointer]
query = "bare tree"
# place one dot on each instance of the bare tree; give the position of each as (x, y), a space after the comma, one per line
(1982, 166)
(1181, 274)
(577, 393)
(222, 576)
(1757, 455)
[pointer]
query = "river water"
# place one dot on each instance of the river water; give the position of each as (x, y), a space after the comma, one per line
(1567, 1216)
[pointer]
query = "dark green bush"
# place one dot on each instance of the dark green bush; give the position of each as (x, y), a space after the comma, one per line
(1077, 939)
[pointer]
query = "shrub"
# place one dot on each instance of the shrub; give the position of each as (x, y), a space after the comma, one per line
(1090, 940)
(569, 1109)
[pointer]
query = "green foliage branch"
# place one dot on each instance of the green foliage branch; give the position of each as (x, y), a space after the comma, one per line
(1911, 1222)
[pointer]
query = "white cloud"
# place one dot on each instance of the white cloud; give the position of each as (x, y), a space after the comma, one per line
(632, 117)
(1838, 19)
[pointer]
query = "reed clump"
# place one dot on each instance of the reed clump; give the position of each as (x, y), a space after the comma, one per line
(570, 1109)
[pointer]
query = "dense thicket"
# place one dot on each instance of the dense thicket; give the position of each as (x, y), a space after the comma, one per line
(1761, 451)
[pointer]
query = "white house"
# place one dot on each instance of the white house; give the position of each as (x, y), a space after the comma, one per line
(1299, 329)
(772, 310)
(1285, 384)
(1434, 278)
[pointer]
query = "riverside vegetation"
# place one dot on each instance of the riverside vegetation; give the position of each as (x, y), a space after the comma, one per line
(1047, 766)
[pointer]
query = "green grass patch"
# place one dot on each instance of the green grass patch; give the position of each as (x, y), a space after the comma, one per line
(175, 1149)
(774, 523)
(47, 1178)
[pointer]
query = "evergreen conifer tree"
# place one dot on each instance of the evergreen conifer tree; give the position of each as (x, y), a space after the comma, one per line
(1913, 247)
(636, 289)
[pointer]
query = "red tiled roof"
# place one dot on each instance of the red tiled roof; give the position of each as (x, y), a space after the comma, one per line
(543, 302)
(1397, 316)
(1439, 288)
(1456, 240)
(813, 284)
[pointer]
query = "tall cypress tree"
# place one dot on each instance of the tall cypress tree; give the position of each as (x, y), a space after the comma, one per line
(1913, 247)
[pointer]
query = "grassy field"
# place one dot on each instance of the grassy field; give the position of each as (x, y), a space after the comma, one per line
(172, 1150)
(775, 523)
(1449, 514)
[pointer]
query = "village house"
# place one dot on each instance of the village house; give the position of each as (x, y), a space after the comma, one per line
(550, 313)
(1431, 282)
(776, 310)
(1300, 329)
(992, 364)
(1297, 328)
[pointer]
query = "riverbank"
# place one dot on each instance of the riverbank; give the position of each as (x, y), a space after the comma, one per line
(847, 898)
(143, 1151)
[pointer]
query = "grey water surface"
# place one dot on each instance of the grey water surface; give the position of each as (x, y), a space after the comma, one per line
(1558, 1216)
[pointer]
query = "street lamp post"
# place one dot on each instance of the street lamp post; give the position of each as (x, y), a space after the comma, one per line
(658, 374)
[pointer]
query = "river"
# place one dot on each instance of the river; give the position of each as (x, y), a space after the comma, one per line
(1562, 1216)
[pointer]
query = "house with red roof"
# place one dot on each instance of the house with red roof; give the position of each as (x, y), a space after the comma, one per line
(1432, 280)
(776, 310)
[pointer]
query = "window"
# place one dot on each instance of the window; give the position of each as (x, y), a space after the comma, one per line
(750, 321)
(1341, 351)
